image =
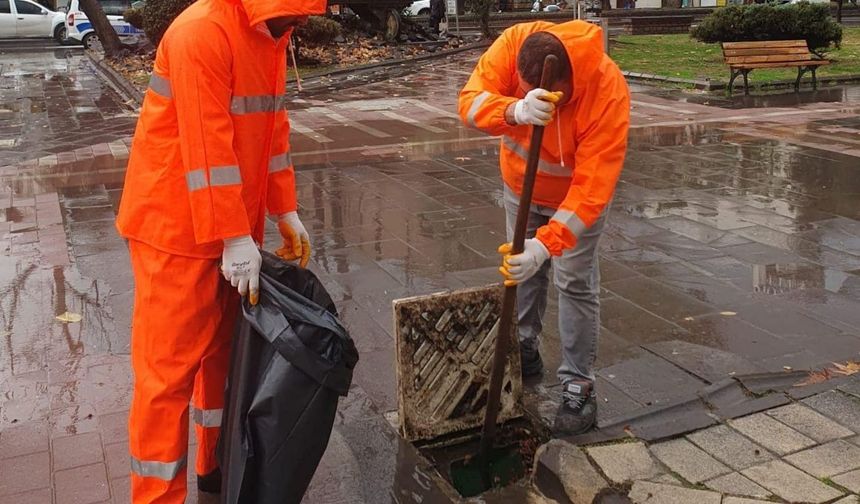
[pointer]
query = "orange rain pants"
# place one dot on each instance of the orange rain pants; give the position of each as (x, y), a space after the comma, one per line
(184, 316)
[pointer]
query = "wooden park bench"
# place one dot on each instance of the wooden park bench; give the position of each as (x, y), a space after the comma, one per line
(744, 57)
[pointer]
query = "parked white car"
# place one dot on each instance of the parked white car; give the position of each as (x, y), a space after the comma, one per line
(418, 8)
(27, 19)
(79, 28)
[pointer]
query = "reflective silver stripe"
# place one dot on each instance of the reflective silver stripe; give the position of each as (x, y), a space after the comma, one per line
(159, 85)
(166, 471)
(196, 179)
(476, 104)
(218, 176)
(254, 104)
(546, 167)
(207, 417)
(224, 175)
(280, 162)
(571, 220)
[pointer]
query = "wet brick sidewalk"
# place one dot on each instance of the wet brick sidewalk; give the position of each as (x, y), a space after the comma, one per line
(734, 236)
(52, 102)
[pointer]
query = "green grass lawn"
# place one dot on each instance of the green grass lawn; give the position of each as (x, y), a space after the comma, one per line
(684, 57)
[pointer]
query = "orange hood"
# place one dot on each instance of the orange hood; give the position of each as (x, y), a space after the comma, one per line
(262, 10)
(584, 44)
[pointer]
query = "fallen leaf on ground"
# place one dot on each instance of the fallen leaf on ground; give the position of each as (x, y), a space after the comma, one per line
(815, 377)
(69, 317)
(847, 369)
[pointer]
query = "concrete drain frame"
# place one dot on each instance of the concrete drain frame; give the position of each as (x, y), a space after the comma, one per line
(444, 346)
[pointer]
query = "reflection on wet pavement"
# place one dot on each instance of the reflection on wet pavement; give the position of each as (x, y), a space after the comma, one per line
(734, 231)
(52, 102)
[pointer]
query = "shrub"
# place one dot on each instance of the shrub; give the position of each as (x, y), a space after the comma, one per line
(134, 17)
(158, 14)
(739, 23)
(318, 31)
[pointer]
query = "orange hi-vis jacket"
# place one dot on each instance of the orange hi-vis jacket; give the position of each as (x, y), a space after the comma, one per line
(211, 150)
(584, 145)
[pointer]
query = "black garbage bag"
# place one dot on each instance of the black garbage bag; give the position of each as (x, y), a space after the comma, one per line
(291, 362)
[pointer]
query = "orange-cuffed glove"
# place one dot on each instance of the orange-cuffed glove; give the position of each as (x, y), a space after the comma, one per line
(520, 267)
(537, 107)
(240, 265)
(297, 244)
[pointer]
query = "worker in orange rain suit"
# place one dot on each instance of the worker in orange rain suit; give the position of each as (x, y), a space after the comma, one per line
(586, 111)
(210, 155)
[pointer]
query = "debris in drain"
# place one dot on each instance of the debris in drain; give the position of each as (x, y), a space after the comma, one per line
(505, 466)
(456, 458)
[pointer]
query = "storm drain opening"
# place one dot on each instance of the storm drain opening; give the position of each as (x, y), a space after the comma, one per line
(445, 344)
(510, 461)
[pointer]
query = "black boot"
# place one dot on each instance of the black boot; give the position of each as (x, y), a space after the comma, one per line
(531, 362)
(210, 483)
(578, 410)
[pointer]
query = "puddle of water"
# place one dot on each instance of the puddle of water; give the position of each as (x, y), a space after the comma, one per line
(690, 134)
(781, 278)
(773, 98)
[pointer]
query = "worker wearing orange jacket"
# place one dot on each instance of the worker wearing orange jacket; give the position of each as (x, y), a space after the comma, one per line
(210, 158)
(586, 111)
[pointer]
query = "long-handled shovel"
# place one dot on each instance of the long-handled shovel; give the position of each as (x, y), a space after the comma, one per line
(500, 356)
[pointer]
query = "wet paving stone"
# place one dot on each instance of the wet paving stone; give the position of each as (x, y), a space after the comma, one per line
(634, 324)
(651, 380)
(55, 98)
(659, 299)
(707, 363)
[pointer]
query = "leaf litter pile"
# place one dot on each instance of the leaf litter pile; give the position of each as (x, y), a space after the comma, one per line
(361, 50)
(353, 50)
(136, 68)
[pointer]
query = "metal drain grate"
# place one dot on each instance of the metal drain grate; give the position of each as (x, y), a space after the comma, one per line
(445, 348)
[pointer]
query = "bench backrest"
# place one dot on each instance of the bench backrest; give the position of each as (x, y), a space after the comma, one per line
(773, 51)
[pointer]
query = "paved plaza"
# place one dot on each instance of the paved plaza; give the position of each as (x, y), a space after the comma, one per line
(732, 257)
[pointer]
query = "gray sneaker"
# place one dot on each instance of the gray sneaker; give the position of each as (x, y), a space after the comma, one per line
(578, 410)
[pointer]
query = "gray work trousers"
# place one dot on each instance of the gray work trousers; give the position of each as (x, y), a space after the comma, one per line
(577, 279)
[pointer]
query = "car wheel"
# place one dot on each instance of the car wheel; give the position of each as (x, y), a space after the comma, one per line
(60, 34)
(424, 12)
(91, 41)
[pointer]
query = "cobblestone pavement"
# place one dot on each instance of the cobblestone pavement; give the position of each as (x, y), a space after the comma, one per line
(732, 250)
(806, 451)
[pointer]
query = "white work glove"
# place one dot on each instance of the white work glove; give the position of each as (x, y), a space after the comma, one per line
(297, 243)
(240, 264)
(520, 267)
(537, 107)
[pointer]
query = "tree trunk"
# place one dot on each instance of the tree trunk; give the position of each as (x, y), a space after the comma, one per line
(107, 35)
(839, 11)
(485, 21)
(482, 9)
(605, 5)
